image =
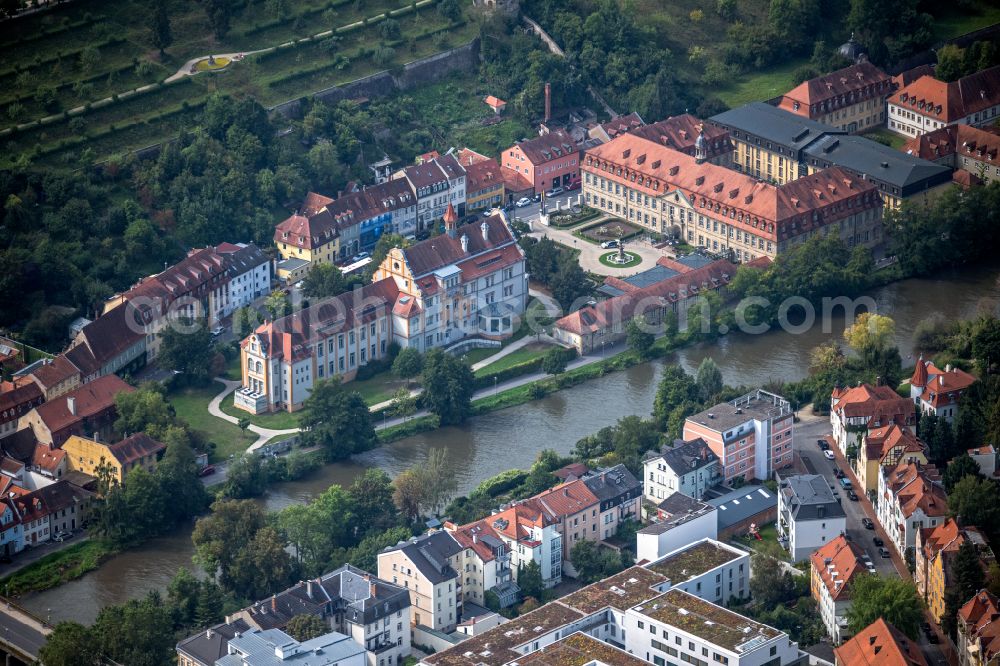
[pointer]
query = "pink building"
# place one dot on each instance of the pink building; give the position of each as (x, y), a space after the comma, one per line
(752, 435)
(551, 160)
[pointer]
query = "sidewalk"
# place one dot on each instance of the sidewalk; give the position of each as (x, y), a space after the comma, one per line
(33, 554)
(263, 434)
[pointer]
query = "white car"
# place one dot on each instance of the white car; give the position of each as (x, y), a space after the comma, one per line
(522, 202)
(829, 455)
(607, 245)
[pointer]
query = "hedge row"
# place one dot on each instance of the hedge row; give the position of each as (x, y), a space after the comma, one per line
(499, 484)
(51, 32)
(260, 27)
(110, 41)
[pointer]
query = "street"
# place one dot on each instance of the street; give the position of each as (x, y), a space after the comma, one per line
(809, 459)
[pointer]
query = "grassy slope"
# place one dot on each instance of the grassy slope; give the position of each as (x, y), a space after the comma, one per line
(57, 568)
(191, 405)
(522, 355)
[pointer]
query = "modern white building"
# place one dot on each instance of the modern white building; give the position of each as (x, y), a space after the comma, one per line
(638, 611)
(680, 520)
(708, 569)
(274, 647)
(910, 498)
(689, 467)
(809, 516)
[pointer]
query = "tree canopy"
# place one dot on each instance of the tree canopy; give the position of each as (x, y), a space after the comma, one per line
(337, 419)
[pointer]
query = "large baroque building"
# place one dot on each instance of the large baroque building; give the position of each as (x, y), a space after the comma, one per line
(721, 210)
(467, 282)
(928, 104)
(852, 98)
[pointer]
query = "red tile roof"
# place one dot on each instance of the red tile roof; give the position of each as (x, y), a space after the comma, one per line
(18, 400)
(915, 486)
(951, 102)
(980, 617)
(567, 498)
(482, 175)
(494, 102)
(622, 124)
(55, 372)
(940, 387)
(838, 89)
(135, 447)
(836, 563)
(775, 212)
(978, 143)
(429, 255)
(681, 132)
(879, 644)
(47, 458)
(880, 404)
(90, 400)
(888, 444)
(549, 147)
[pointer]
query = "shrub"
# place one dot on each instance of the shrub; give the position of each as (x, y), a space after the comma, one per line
(696, 15)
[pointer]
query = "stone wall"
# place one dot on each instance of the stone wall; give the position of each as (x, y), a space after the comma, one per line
(419, 72)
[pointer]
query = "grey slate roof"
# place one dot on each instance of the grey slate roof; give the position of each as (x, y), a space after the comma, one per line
(769, 123)
(686, 457)
(878, 161)
(808, 497)
(681, 509)
(613, 483)
(429, 554)
(206, 647)
(742, 503)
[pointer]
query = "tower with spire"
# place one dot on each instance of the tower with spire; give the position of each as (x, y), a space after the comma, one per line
(451, 221)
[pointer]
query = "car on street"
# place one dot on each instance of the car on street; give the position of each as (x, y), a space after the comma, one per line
(932, 637)
(821, 443)
(522, 202)
(884, 552)
(839, 473)
(845, 482)
(207, 470)
(607, 245)
(217, 331)
(851, 495)
(554, 192)
(829, 454)
(878, 542)
(575, 185)
(868, 523)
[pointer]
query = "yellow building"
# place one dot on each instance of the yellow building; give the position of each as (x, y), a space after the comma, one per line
(886, 446)
(91, 456)
(935, 549)
(852, 98)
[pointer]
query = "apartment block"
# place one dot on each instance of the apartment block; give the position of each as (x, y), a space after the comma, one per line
(857, 411)
(809, 516)
(548, 161)
(832, 568)
(928, 104)
(938, 392)
(935, 551)
(680, 520)
(852, 99)
(688, 467)
(751, 435)
(428, 568)
(910, 498)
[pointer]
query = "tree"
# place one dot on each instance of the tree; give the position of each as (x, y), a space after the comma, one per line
(220, 537)
(219, 13)
(541, 257)
(409, 494)
(389, 29)
(676, 389)
(371, 501)
(709, 379)
(276, 304)
(570, 283)
(337, 420)
(638, 336)
(592, 563)
(262, 567)
(143, 410)
(159, 29)
(324, 281)
(950, 63)
(450, 10)
(448, 387)
(529, 579)
(187, 349)
(304, 627)
(869, 334)
(771, 585)
(245, 477)
(554, 361)
(958, 469)
(973, 501)
(967, 578)
(243, 423)
(986, 343)
(893, 599)
(403, 403)
(138, 632)
(70, 644)
(408, 363)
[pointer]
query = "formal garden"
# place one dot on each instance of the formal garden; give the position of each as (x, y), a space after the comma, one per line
(608, 230)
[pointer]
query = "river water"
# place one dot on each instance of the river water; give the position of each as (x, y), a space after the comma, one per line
(510, 438)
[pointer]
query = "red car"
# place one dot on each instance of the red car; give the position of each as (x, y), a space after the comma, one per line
(575, 185)
(207, 470)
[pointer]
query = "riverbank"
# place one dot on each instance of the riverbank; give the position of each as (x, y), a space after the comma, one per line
(58, 568)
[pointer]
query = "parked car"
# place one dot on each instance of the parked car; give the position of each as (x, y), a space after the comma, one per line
(845, 482)
(851, 495)
(575, 185)
(821, 443)
(932, 636)
(829, 454)
(839, 473)
(64, 535)
(878, 542)
(217, 331)
(554, 192)
(868, 523)
(207, 470)
(522, 202)
(607, 245)
(884, 552)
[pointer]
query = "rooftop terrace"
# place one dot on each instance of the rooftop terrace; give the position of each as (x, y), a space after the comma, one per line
(695, 560)
(621, 591)
(707, 621)
(579, 650)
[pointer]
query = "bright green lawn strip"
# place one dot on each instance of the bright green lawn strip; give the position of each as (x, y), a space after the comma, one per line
(277, 421)
(768, 545)
(378, 388)
(762, 85)
(191, 405)
(522, 355)
(950, 26)
(58, 567)
(411, 427)
(474, 356)
(634, 261)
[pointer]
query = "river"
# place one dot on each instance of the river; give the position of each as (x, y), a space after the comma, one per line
(490, 444)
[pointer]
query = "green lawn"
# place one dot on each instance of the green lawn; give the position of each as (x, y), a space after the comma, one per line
(378, 388)
(522, 355)
(953, 25)
(191, 405)
(763, 85)
(234, 370)
(474, 356)
(769, 543)
(276, 421)
(883, 135)
(57, 568)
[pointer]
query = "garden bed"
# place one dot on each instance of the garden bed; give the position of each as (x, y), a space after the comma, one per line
(606, 230)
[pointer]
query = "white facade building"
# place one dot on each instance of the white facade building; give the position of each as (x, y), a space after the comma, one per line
(809, 516)
(910, 498)
(680, 520)
(250, 274)
(707, 569)
(689, 468)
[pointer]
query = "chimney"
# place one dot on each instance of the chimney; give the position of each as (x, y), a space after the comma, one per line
(465, 244)
(274, 602)
(71, 405)
(208, 633)
(371, 588)
(309, 589)
(485, 228)
(548, 102)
